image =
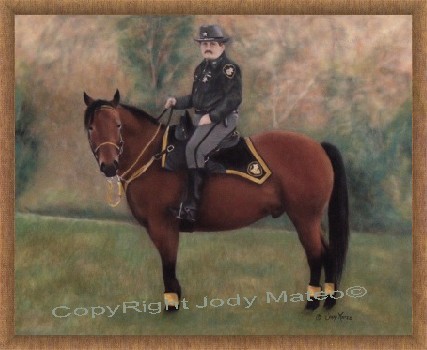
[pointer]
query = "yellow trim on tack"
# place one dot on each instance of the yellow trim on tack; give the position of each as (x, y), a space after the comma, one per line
(247, 176)
(267, 171)
(164, 145)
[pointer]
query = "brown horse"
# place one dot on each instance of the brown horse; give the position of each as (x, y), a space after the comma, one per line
(307, 177)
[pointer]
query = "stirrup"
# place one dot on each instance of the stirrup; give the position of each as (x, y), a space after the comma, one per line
(188, 214)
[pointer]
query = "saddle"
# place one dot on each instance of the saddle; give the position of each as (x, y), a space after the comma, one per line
(234, 155)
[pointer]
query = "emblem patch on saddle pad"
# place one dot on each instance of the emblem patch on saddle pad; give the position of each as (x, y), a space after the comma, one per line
(255, 169)
(242, 159)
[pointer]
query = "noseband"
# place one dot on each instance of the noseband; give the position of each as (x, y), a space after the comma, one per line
(118, 146)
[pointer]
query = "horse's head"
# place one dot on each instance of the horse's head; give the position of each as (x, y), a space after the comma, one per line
(103, 126)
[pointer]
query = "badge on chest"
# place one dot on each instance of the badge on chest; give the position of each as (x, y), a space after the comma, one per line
(206, 77)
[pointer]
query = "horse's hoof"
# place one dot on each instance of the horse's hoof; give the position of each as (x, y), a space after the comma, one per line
(312, 305)
(329, 303)
(171, 308)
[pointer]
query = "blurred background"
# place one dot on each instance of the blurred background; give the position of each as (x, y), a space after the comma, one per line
(344, 79)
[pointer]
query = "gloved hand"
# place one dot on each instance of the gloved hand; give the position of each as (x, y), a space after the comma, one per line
(170, 102)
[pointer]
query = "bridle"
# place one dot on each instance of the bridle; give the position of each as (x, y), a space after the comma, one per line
(118, 146)
(124, 178)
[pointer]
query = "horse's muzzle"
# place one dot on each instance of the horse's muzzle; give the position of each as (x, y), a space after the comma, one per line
(109, 170)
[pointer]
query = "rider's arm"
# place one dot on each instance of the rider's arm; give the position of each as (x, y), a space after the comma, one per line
(184, 102)
(233, 96)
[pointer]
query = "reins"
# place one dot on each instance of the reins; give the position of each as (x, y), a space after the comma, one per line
(121, 179)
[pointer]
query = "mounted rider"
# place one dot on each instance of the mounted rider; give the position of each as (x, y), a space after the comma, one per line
(215, 97)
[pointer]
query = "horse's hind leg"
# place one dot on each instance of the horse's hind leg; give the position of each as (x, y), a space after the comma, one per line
(309, 233)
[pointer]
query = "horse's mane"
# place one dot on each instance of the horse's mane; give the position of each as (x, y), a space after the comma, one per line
(138, 113)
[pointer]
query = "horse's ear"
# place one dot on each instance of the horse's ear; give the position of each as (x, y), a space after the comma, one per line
(116, 99)
(88, 100)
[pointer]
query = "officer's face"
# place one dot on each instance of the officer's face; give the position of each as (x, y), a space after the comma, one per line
(211, 50)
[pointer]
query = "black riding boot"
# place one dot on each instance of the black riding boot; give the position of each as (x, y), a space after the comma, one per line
(189, 206)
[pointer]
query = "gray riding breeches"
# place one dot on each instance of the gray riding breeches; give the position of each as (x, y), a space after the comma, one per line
(206, 138)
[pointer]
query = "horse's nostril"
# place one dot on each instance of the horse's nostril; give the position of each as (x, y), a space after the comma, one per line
(116, 164)
(109, 170)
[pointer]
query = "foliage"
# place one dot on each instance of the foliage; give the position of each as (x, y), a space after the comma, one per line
(153, 48)
(378, 159)
(26, 143)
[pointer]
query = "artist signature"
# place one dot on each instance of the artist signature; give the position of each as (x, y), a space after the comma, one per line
(340, 316)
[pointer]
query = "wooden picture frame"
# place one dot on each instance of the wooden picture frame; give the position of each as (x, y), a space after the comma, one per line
(10, 8)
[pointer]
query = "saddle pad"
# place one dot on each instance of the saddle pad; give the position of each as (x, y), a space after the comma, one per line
(242, 159)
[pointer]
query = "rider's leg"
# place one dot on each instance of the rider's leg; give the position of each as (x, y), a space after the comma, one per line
(203, 141)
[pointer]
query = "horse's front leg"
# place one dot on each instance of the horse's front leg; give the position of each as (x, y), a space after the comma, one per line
(165, 235)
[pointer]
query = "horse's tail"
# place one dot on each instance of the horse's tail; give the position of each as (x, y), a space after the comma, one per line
(338, 212)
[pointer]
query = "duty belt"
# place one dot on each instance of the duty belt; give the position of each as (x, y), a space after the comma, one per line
(203, 112)
(198, 111)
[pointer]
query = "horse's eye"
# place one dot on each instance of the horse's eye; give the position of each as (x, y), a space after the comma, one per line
(119, 125)
(90, 128)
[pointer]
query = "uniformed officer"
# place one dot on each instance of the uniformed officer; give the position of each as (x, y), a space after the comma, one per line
(215, 97)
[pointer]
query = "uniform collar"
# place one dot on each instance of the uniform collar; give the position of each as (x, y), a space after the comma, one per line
(216, 62)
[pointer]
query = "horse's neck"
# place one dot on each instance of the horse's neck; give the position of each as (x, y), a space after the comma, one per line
(137, 133)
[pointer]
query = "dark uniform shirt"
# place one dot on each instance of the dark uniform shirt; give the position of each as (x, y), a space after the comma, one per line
(217, 89)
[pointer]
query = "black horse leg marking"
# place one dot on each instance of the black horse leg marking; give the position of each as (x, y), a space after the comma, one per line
(166, 241)
(328, 263)
(172, 293)
(169, 278)
(315, 263)
(329, 266)
(310, 237)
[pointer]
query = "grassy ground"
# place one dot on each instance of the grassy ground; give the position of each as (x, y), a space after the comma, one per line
(89, 263)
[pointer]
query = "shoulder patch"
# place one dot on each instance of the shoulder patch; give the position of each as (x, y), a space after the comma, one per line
(229, 70)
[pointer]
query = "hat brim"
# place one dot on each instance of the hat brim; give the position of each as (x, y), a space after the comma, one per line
(220, 40)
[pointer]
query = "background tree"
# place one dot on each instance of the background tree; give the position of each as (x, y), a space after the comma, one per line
(26, 142)
(159, 52)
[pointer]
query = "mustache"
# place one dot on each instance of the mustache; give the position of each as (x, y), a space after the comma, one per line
(208, 51)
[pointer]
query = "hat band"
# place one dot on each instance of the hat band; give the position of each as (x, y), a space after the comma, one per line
(220, 38)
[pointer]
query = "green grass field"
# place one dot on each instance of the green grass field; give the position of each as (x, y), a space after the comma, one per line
(92, 264)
